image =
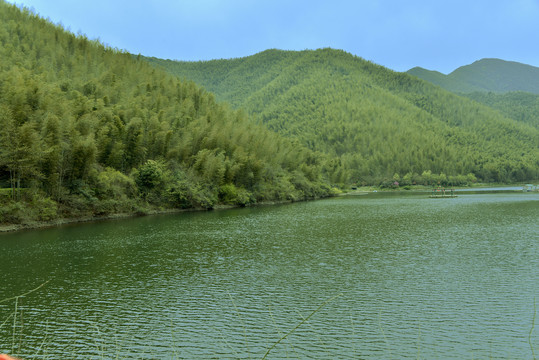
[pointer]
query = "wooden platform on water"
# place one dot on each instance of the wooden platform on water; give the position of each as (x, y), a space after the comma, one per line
(442, 193)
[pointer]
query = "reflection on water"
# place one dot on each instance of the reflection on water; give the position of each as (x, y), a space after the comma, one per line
(419, 277)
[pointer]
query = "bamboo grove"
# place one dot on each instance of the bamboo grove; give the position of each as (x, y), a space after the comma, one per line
(374, 123)
(88, 130)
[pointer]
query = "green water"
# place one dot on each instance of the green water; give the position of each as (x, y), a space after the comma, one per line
(417, 278)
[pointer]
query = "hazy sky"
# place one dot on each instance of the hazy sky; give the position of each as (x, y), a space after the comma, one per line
(399, 34)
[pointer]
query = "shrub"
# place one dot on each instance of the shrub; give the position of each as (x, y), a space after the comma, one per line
(152, 179)
(113, 184)
(187, 194)
(179, 194)
(46, 208)
(230, 194)
(12, 213)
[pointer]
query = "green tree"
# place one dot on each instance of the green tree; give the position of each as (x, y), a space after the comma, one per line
(19, 151)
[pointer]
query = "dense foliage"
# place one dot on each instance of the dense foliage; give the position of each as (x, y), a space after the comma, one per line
(379, 126)
(89, 130)
(517, 105)
(485, 75)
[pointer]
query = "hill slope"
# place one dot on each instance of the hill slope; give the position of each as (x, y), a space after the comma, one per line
(445, 81)
(380, 125)
(492, 75)
(87, 130)
(521, 106)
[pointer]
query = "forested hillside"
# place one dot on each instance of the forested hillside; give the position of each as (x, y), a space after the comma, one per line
(489, 75)
(509, 87)
(379, 125)
(89, 130)
(517, 105)
(445, 81)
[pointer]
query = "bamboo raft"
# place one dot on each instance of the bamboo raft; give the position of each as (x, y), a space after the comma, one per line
(439, 193)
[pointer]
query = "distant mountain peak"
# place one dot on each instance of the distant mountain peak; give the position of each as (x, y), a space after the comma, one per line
(486, 75)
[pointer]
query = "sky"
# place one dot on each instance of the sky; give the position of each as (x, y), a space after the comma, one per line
(399, 34)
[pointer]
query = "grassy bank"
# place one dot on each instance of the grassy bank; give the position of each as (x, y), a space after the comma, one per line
(29, 220)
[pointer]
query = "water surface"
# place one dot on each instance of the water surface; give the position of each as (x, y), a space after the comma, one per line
(413, 278)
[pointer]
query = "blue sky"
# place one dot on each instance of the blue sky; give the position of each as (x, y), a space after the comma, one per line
(399, 34)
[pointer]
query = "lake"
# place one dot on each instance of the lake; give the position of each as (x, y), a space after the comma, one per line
(379, 276)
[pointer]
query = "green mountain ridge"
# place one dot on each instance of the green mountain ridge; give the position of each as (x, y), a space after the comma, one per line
(86, 130)
(445, 81)
(489, 75)
(377, 123)
(518, 105)
(507, 86)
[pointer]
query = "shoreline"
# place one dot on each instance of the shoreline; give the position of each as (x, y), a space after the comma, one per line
(9, 228)
(12, 228)
(363, 190)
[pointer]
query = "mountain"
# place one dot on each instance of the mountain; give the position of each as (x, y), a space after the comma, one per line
(489, 75)
(518, 105)
(87, 130)
(377, 124)
(445, 81)
(509, 87)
